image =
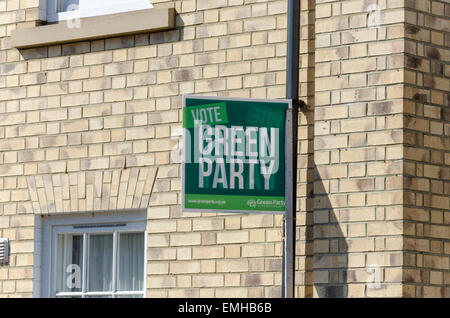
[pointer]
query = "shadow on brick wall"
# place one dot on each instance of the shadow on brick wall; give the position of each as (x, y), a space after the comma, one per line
(330, 260)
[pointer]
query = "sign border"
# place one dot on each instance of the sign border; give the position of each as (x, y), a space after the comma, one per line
(225, 98)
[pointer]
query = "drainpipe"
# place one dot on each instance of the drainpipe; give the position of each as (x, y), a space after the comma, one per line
(292, 92)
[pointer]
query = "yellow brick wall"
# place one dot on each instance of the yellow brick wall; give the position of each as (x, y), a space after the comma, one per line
(79, 121)
(381, 121)
(427, 151)
(358, 148)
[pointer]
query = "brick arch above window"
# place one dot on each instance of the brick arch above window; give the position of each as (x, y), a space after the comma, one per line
(92, 190)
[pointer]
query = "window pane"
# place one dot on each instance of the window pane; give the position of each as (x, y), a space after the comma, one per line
(130, 275)
(68, 5)
(130, 296)
(69, 266)
(100, 262)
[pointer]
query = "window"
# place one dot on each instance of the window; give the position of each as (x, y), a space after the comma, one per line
(94, 257)
(58, 10)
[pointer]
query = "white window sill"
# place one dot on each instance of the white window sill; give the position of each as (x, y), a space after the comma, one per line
(98, 27)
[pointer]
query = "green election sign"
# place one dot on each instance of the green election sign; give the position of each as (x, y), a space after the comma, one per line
(234, 155)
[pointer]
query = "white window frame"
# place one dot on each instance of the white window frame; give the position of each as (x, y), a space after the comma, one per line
(104, 7)
(100, 223)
